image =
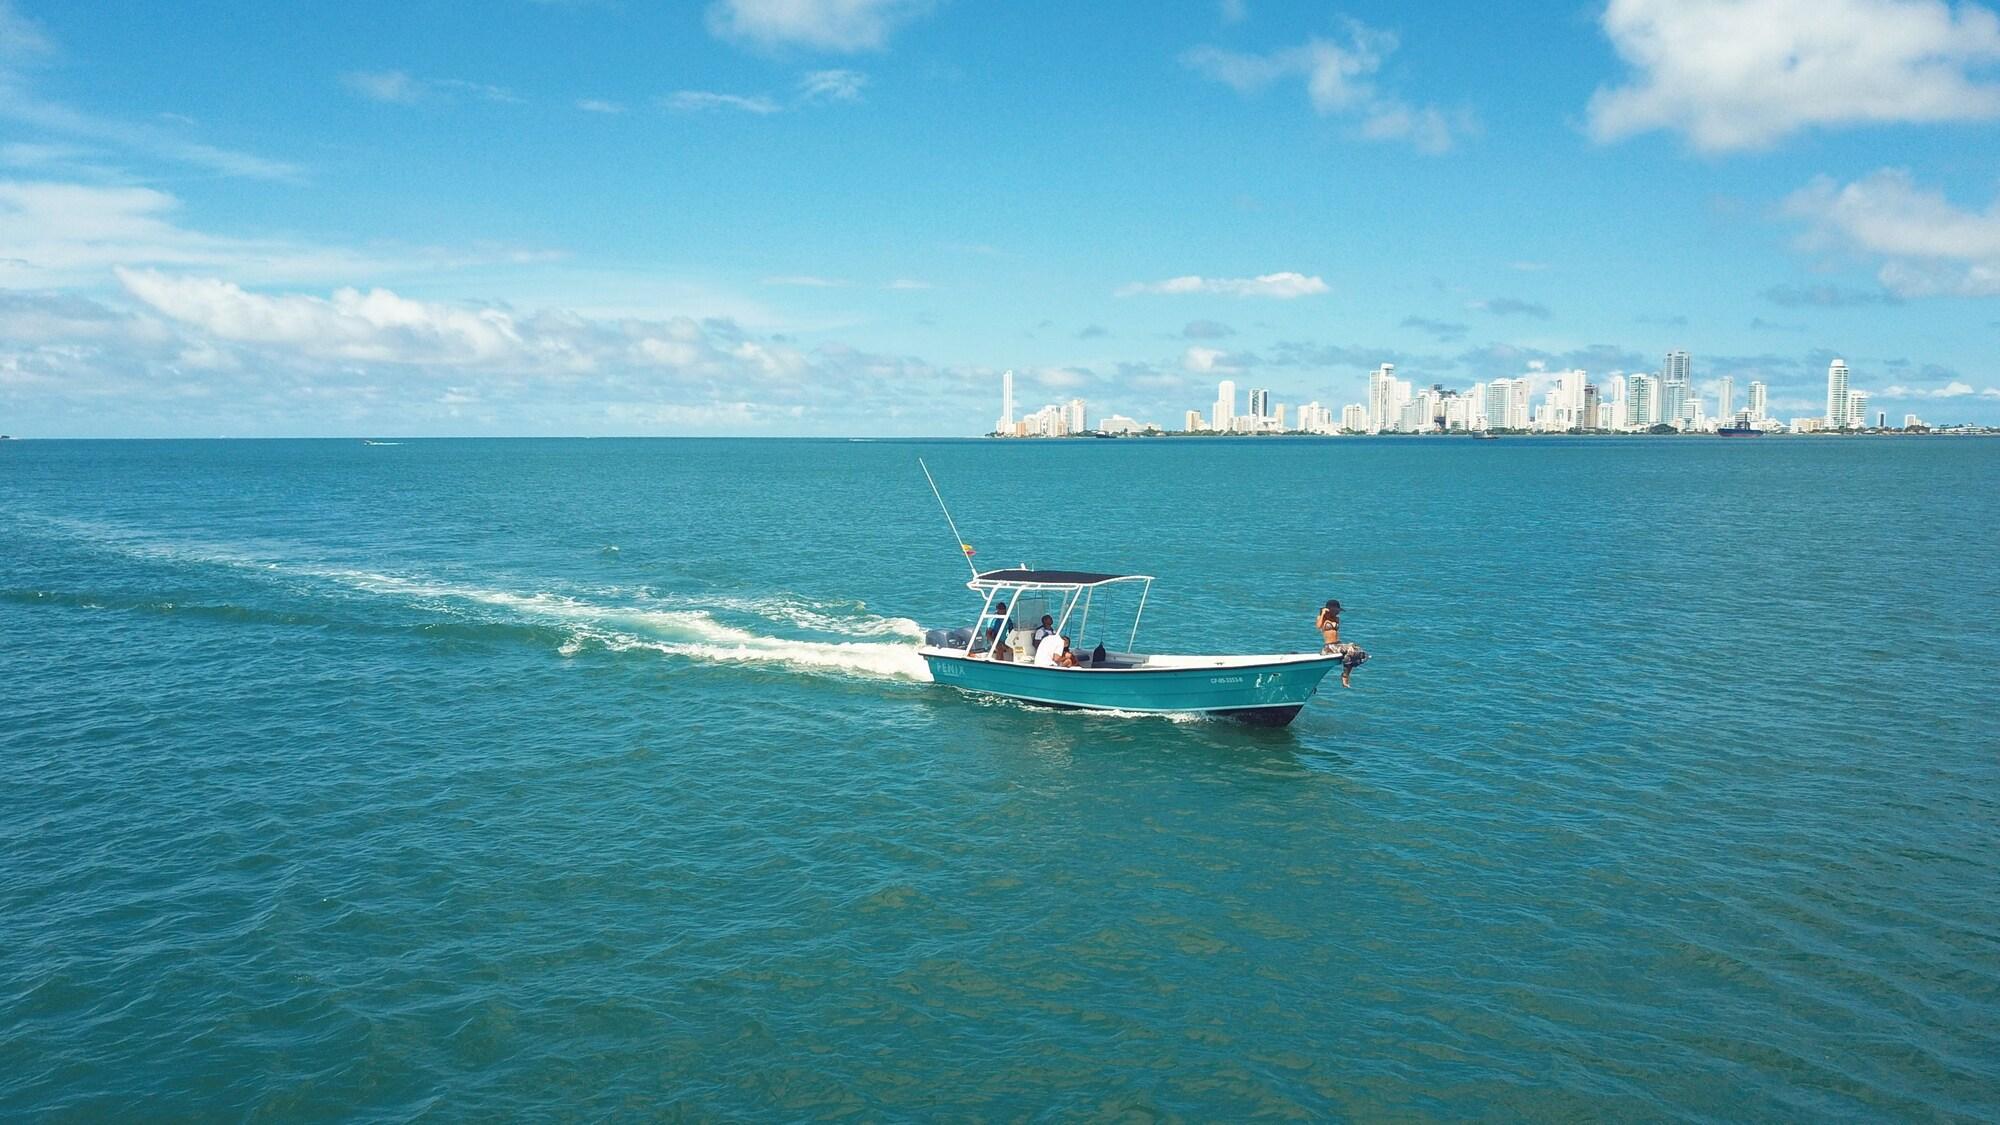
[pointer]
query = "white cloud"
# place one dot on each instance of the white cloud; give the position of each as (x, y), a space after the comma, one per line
(1202, 360)
(1954, 389)
(1736, 74)
(54, 234)
(399, 88)
(826, 25)
(1280, 286)
(24, 45)
(384, 86)
(379, 326)
(808, 281)
(908, 283)
(832, 85)
(1928, 245)
(1233, 11)
(1339, 81)
(20, 37)
(697, 101)
(598, 105)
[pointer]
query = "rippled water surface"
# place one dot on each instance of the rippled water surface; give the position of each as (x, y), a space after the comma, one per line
(586, 778)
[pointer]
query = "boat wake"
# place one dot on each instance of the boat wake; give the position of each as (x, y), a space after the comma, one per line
(782, 630)
(684, 626)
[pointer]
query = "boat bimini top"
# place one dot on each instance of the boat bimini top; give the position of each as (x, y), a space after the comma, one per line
(1066, 589)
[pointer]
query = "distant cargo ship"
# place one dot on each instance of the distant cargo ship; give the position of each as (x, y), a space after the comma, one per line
(1741, 429)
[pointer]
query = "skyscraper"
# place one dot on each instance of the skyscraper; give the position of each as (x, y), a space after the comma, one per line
(1078, 422)
(1382, 405)
(1005, 426)
(1224, 417)
(1640, 396)
(1725, 398)
(1836, 394)
(1757, 407)
(1194, 424)
(1674, 371)
(1857, 410)
(1260, 403)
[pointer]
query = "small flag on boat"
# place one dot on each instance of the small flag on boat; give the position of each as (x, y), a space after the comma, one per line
(967, 548)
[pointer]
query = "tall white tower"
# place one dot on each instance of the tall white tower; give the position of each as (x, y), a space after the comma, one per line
(1757, 401)
(1725, 399)
(1224, 417)
(1836, 394)
(1382, 406)
(1006, 424)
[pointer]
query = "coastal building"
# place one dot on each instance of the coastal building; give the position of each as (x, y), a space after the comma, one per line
(1857, 410)
(1119, 424)
(1353, 418)
(1675, 372)
(1076, 422)
(1278, 417)
(1641, 394)
(1836, 394)
(1912, 422)
(1259, 405)
(1005, 426)
(1758, 401)
(1194, 422)
(1507, 404)
(1725, 397)
(1223, 418)
(1387, 395)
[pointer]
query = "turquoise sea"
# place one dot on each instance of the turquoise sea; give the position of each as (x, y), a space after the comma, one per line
(597, 779)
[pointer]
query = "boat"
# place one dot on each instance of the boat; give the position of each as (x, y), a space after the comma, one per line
(1262, 690)
(1740, 429)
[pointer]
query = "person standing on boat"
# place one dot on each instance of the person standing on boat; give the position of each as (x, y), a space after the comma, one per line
(1351, 655)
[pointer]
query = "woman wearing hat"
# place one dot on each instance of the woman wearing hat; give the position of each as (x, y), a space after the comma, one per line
(1351, 655)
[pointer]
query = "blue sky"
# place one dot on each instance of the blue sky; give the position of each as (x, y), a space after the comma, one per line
(848, 216)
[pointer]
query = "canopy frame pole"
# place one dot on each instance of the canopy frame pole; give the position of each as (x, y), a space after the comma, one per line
(984, 610)
(957, 540)
(1131, 643)
(1069, 607)
(1083, 630)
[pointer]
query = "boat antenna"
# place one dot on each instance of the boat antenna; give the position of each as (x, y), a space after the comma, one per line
(964, 549)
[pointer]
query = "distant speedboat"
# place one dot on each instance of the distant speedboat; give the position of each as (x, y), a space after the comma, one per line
(1263, 690)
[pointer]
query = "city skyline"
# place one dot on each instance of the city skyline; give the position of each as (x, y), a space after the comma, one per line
(850, 216)
(1669, 399)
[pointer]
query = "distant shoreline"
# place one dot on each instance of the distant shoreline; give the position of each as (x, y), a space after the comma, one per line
(1178, 435)
(1983, 431)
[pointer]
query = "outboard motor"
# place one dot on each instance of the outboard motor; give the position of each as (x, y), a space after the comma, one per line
(948, 638)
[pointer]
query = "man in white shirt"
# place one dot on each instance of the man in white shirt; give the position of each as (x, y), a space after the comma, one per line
(1047, 649)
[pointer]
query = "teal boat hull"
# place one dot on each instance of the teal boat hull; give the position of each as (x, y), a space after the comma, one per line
(1261, 694)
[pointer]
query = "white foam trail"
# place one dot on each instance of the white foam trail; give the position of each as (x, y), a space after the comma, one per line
(673, 624)
(691, 633)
